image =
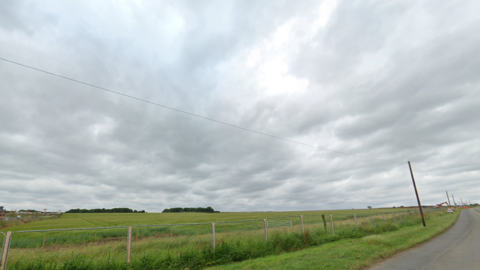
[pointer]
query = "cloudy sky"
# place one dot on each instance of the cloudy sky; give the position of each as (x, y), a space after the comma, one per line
(389, 81)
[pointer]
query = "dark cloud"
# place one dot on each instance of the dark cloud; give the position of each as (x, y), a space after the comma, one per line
(393, 81)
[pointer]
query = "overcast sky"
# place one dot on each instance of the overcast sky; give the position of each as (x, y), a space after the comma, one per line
(389, 80)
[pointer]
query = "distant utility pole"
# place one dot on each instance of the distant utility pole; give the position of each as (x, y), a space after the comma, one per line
(416, 193)
(454, 200)
(448, 198)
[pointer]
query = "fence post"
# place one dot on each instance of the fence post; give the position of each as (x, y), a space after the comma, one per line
(331, 222)
(5, 252)
(265, 229)
(355, 216)
(383, 216)
(394, 219)
(371, 222)
(301, 219)
(129, 244)
(213, 236)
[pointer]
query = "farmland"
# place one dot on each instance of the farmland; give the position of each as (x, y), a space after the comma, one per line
(69, 221)
(170, 244)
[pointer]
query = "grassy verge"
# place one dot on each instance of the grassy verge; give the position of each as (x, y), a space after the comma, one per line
(170, 251)
(351, 253)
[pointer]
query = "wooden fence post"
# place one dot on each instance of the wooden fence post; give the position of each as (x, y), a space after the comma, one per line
(383, 216)
(213, 235)
(301, 219)
(394, 219)
(8, 238)
(129, 244)
(371, 222)
(355, 216)
(331, 222)
(44, 240)
(265, 229)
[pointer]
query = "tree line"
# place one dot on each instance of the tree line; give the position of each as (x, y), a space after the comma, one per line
(28, 210)
(103, 210)
(190, 209)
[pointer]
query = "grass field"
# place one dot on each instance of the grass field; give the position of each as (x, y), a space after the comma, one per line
(356, 253)
(77, 221)
(112, 219)
(178, 247)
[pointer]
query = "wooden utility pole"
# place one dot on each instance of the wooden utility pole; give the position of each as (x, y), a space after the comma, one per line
(7, 240)
(416, 193)
(448, 198)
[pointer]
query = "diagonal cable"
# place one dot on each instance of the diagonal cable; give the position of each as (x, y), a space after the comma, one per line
(191, 114)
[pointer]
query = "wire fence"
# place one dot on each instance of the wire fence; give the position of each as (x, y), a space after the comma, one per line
(2, 240)
(27, 244)
(164, 240)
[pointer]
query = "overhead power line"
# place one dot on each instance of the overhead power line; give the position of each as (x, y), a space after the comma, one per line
(191, 114)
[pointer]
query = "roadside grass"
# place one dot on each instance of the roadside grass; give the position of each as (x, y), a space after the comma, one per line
(355, 253)
(170, 251)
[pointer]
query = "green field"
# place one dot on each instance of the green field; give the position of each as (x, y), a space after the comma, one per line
(110, 219)
(173, 247)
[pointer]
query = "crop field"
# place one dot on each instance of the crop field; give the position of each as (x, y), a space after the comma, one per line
(173, 240)
(68, 221)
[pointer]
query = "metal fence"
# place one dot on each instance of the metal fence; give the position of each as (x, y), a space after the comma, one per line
(169, 239)
(17, 243)
(239, 229)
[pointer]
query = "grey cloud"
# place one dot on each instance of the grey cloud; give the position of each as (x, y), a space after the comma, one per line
(381, 83)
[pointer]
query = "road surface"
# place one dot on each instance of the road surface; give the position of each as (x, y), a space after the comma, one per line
(458, 248)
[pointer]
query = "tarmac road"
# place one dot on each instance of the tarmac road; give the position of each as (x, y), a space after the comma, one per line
(458, 248)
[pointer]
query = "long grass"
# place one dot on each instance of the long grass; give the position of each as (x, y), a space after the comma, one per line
(163, 248)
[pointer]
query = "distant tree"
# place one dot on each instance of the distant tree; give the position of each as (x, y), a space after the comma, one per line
(190, 209)
(103, 210)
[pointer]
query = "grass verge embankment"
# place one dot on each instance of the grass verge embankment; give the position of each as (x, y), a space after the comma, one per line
(352, 253)
(195, 252)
